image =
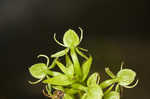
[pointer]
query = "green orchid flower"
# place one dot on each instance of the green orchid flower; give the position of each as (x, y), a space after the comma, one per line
(124, 78)
(94, 91)
(71, 41)
(112, 95)
(41, 70)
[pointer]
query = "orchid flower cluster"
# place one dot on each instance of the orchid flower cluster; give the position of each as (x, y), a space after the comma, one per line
(73, 81)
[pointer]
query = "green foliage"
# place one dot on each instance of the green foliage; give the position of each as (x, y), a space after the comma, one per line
(73, 80)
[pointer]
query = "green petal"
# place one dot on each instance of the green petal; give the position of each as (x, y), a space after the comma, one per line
(81, 54)
(131, 86)
(126, 76)
(41, 55)
(86, 68)
(58, 41)
(83, 49)
(81, 30)
(38, 70)
(35, 82)
(94, 92)
(59, 80)
(112, 95)
(71, 39)
(109, 89)
(61, 53)
(110, 73)
(93, 79)
(107, 83)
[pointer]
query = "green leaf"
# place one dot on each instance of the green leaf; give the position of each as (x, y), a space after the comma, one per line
(94, 92)
(86, 68)
(69, 66)
(93, 79)
(126, 76)
(62, 80)
(68, 61)
(62, 67)
(58, 88)
(79, 87)
(67, 96)
(53, 73)
(61, 53)
(112, 95)
(71, 91)
(68, 71)
(71, 39)
(38, 70)
(53, 64)
(76, 63)
(107, 83)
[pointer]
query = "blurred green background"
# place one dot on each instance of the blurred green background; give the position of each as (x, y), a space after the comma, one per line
(114, 31)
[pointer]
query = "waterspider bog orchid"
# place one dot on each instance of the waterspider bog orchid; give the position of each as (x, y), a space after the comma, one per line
(73, 80)
(123, 78)
(71, 41)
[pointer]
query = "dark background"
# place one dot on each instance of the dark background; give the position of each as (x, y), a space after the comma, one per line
(114, 31)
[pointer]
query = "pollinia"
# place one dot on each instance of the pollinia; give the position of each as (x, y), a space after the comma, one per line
(74, 81)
